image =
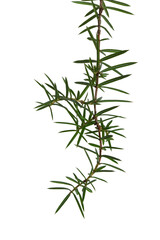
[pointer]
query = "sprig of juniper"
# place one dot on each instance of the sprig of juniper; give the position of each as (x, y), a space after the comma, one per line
(90, 126)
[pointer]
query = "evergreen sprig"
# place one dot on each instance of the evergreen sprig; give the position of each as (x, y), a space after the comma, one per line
(93, 130)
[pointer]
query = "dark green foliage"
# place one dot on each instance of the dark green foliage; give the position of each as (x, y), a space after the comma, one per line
(92, 130)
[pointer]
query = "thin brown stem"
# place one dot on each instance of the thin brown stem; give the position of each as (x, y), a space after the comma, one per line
(97, 124)
(97, 81)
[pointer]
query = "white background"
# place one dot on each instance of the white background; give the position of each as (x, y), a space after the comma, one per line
(38, 37)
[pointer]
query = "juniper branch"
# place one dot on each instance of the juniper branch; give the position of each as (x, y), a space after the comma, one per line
(88, 122)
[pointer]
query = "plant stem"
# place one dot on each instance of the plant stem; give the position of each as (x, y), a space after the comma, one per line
(97, 81)
(98, 126)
